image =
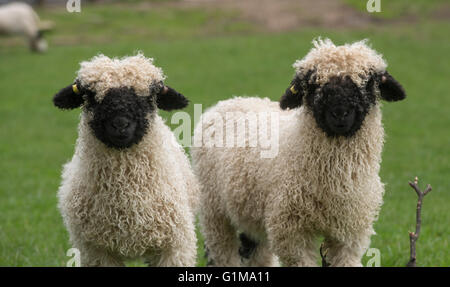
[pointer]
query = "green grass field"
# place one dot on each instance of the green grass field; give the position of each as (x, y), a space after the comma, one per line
(210, 59)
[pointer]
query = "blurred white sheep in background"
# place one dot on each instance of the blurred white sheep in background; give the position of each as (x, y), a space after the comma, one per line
(20, 19)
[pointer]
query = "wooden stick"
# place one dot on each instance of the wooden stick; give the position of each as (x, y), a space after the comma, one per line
(414, 236)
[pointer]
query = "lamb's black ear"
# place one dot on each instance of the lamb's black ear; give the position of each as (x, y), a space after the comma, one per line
(169, 99)
(68, 98)
(293, 96)
(390, 89)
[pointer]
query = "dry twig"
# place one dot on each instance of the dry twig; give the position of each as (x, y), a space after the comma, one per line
(413, 236)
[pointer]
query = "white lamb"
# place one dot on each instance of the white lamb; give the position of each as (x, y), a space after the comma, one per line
(20, 19)
(324, 180)
(129, 191)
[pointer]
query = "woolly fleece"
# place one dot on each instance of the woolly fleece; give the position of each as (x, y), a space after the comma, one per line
(356, 60)
(102, 73)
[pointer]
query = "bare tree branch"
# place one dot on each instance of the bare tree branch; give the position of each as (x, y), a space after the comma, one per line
(414, 236)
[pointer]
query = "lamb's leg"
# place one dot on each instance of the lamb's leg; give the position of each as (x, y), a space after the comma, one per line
(178, 256)
(183, 251)
(293, 245)
(221, 240)
(295, 250)
(256, 253)
(348, 253)
(92, 256)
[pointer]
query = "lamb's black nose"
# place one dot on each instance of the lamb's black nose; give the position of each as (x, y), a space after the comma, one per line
(339, 112)
(120, 122)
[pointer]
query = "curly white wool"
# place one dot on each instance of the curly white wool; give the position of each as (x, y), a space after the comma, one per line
(102, 73)
(356, 60)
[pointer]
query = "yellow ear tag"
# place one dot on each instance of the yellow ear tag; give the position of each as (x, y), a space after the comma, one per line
(75, 89)
(293, 90)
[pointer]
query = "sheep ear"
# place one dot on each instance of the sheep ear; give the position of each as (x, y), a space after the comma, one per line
(68, 98)
(390, 89)
(293, 96)
(169, 99)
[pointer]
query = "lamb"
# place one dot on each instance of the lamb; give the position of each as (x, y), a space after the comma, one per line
(20, 19)
(129, 191)
(324, 180)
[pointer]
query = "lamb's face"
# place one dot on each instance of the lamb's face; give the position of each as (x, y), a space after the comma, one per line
(339, 106)
(339, 85)
(119, 98)
(121, 118)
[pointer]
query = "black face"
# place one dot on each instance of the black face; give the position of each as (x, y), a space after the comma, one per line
(340, 107)
(120, 120)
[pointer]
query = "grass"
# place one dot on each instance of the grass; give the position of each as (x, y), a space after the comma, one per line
(208, 60)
